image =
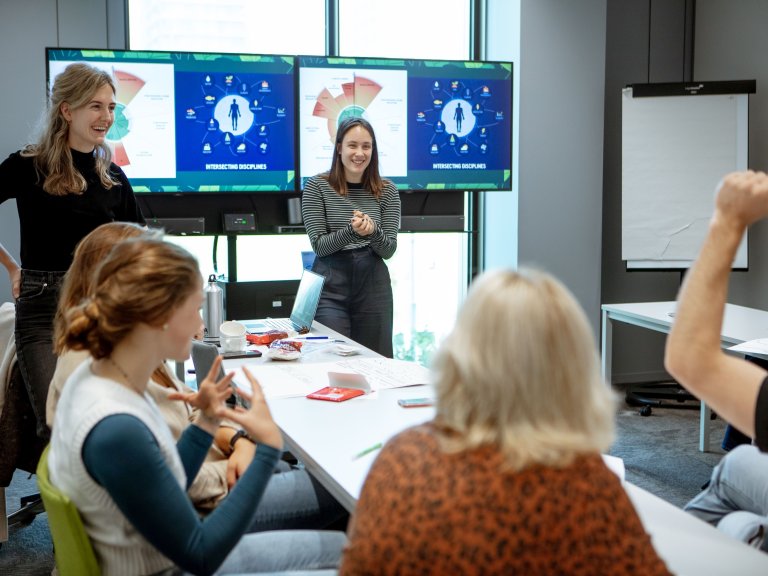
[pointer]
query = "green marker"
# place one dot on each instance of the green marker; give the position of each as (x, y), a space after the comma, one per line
(367, 451)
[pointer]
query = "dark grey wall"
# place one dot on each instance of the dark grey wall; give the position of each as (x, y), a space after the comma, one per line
(670, 41)
(647, 41)
(732, 44)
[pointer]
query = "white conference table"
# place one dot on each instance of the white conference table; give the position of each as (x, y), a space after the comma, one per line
(740, 324)
(327, 436)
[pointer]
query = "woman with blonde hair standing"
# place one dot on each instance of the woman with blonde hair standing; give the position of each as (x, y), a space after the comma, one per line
(65, 185)
(508, 477)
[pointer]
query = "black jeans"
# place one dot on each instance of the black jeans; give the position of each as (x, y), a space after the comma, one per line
(35, 310)
(357, 297)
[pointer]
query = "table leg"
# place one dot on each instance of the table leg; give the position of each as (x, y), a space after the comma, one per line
(606, 347)
(705, 427)
(3, 517)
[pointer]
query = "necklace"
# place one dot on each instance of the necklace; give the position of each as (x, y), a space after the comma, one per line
(119, 368)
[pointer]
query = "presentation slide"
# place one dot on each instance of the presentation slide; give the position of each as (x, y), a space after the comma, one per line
(142, 137)
(329, 95)
(459, 124)
(439, 124)
(204, 122)
(198, 122)
(234, 121)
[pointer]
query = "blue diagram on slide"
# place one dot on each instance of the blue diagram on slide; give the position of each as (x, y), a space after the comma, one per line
(237, 121)
(461, 122)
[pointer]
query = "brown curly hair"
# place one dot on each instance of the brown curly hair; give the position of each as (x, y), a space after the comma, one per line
(141, 281)
(90, 252)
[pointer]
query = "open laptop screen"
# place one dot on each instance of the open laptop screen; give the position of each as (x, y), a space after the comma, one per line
(304, 306)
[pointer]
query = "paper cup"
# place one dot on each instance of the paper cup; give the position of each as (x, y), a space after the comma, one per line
(231, 328)
(233, 343)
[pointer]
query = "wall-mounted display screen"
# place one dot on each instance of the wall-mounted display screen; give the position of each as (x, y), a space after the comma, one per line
(439, 124)
(198, 122)
(205, 122)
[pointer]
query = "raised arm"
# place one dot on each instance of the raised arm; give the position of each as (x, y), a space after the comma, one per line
(693, 355)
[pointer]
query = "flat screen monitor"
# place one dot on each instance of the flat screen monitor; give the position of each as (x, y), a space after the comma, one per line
(439, 124)
(198, 122)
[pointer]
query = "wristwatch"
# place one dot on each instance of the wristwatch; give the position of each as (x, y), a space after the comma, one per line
(235, 437)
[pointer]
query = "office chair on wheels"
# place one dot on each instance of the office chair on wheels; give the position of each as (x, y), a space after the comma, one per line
(20, 448)
(647, 396)
(19, 445)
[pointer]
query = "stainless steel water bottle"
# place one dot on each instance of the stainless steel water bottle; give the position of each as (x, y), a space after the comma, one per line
(213, 309)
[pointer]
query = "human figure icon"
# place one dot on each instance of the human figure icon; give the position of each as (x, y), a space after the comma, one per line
(234, 113)
(458, 116)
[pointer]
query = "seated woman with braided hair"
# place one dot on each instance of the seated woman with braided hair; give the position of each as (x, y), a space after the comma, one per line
(113, 454)
(292, 500)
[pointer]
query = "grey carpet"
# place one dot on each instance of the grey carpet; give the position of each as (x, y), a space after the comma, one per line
(28, 551)
(660, 454)
(661, 451)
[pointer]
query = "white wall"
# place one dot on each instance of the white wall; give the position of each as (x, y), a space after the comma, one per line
(26, 29)
(499, 210)
(31, 25)
(560, 166)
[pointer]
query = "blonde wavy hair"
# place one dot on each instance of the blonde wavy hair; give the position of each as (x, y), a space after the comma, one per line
(76, 85)
(520, 371)
(141, 281)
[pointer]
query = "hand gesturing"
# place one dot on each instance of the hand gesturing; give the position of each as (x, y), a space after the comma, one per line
(210, 396)
(256, 420)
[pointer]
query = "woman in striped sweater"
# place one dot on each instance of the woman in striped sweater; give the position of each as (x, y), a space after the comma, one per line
(352, 216)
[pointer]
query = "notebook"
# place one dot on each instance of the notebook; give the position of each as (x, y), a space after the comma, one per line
(304, 308)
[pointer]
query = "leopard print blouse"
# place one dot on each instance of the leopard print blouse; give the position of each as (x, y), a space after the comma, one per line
(422, 511)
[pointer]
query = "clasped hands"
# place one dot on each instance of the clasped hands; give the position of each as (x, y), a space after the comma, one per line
(362, 223)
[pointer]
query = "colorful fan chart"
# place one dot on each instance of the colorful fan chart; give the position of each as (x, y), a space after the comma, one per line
(353, 100)
(127, 86)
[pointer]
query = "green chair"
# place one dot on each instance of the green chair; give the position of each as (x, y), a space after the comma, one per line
(72, 547)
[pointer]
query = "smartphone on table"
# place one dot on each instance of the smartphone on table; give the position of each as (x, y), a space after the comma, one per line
(416, 402)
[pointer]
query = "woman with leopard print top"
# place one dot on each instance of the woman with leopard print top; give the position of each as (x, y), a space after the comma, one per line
(508, 478)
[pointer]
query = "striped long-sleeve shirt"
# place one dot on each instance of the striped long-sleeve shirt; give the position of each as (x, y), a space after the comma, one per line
(327, 218)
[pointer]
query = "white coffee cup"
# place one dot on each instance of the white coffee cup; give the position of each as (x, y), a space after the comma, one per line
(233, 343)
(232, 328)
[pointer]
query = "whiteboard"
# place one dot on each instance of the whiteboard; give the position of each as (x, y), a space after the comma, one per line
(675, 151)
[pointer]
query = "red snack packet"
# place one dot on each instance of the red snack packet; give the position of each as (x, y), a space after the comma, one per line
(266, 337)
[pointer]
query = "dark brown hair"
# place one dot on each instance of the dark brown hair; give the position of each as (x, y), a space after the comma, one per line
(372, 180)
(141, 281)
(90, 252)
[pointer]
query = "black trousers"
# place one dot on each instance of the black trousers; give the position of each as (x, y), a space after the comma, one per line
(35, 310)
(357, 297)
